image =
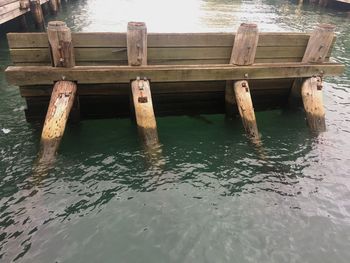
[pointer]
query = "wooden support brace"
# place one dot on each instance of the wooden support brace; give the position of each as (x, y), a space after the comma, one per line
(245, 107)
(144, 112)
(316, 51)
(61, 103)
(243, 54)
(313, 103)
(37, 13)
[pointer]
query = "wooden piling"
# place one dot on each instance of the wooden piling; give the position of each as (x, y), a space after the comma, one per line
(63, 94)
(61, 102)
(37, 13)
(137, 44)
(24, 4)
(313, 103)
(245, 107)
(53, 6)
(141, 90)
(145, 117)
(316, 51)
(243, 54)
(60, 40)
(310, 90)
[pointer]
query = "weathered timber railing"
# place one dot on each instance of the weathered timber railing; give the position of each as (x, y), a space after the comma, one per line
(189, 73)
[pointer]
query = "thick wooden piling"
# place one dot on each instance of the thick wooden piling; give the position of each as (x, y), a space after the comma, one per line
(141, 90)
(243, 54)
(53, 6)
(63, 94)
(316, 51)
(144, 112)
(37, 13)
(61, 102)
(137, 43)
(313, 103)
(245, 107)
(60, 40)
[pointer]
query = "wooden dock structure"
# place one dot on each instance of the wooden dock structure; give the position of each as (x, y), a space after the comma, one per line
(146, 75)
(18, 9)
(338, 4)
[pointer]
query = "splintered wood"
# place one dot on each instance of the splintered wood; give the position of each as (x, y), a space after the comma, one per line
(313, 103)
(143, 105)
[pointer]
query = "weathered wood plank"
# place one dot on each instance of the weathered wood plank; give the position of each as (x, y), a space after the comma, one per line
(41, 75)
(112, 39)
(158, 55)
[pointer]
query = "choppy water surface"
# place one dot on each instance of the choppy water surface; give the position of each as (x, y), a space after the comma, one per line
(213, 199)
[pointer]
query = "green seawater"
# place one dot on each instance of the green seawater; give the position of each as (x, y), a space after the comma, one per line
(210, 197)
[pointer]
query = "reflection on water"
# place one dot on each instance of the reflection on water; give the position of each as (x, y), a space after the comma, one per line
(212, 198)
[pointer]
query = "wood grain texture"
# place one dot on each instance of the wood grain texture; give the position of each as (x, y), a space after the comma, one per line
(143, 105)
(319, 44)
(41, 75)
(137, 44)
(60, 40)
(312, 96)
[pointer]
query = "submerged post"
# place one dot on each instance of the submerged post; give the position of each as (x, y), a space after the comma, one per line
(63, 94)
(313, 103)
(243, 54)
(37, 12)
(141, 90)
(316, 51)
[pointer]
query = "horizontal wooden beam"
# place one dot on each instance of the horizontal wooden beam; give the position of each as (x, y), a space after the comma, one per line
(114, 39)
(41, 75)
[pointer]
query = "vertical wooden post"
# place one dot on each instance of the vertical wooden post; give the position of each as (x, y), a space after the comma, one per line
(63, 94)
(316, 51)
(313, 103)
(243, 53)
(53, 6)
(141, 90)
(60, 40)
(37, 12)
(137, 44)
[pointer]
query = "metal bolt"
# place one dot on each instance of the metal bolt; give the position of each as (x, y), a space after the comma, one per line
(145, 78)
(244, 84)
(246, 75)
(63, 77)
(138, 78)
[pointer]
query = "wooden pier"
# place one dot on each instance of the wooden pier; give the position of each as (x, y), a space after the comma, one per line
(338, 4)
(135, 73)
(18, 9)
